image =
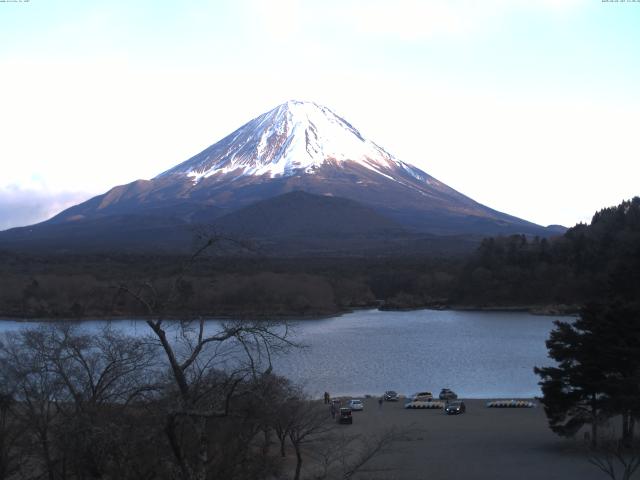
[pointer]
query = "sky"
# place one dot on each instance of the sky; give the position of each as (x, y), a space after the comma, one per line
(530, 107)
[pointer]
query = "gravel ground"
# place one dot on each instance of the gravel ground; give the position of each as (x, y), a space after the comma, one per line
(483, 443)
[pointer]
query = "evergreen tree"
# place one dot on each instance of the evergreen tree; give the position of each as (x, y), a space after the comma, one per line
(573, 391)
(598, 370)
(617, 327)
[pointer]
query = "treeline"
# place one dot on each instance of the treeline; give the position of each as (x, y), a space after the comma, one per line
(515, 271)
(51, 295)
(243, 286)
(586, 263)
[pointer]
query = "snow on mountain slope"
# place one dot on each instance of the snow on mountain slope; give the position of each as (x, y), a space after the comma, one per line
(300, 146)
(295, 136)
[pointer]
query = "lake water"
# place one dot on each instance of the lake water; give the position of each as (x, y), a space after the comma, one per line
(477, 354)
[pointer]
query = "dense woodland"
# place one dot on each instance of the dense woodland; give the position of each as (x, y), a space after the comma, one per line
(587, 262)
(503, 272)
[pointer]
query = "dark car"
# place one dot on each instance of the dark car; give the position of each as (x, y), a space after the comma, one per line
(455, 408)
(446, 394)
(390, 396)
(345, 416)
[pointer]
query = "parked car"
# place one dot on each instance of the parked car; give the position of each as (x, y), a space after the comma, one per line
(356, 405)
(391, 396)
(422, 397)
(455, 408)
(345, 416)
(446, 394)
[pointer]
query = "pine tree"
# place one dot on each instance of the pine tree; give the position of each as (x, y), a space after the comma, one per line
(598, 370)
(573, 391)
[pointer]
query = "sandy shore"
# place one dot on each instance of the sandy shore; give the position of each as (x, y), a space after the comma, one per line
(483, 443)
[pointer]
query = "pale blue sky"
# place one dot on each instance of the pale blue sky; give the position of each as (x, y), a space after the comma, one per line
(528, 106)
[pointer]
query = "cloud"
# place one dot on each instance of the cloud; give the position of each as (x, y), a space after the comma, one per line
(25, 206)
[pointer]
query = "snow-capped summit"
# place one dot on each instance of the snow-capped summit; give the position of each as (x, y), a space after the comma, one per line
(295, 136)
(298, 168)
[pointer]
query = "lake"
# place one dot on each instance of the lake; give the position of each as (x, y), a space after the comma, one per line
(477, 354)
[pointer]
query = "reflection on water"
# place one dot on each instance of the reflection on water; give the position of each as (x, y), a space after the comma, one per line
(477, 354)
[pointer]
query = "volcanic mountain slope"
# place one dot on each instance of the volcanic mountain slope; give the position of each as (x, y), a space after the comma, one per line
(297, 146)
(300, 214)
(292, 224)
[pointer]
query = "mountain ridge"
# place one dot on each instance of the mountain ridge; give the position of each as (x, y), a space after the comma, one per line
(294, 136)
(298, 146)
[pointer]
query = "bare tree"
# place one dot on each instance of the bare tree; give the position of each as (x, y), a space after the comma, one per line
(618, 459)
(235, 352)
(10, 433)
(343, 457)
(101, 374)
(244, 348)
(70, 391)
(309, 420)
(27, 376)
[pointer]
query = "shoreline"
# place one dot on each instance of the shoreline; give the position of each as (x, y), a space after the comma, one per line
(172, 318)
(539, 310)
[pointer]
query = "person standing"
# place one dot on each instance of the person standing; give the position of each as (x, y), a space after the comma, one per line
(380, 403)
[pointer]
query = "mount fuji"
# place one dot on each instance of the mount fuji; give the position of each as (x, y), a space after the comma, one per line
(340, 176)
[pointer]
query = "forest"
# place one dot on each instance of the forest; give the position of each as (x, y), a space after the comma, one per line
(545, 275)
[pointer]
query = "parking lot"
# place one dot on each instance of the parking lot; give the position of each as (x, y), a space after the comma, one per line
(482, 443)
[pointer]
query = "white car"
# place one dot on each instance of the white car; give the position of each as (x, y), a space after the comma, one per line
(356, 405)
(422, 397)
